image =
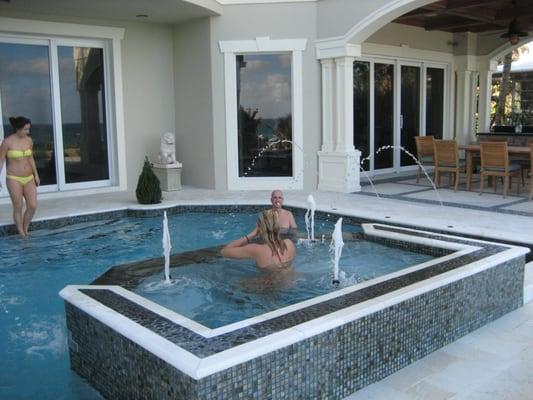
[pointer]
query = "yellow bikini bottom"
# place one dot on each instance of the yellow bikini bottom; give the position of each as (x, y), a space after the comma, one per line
(22, 179)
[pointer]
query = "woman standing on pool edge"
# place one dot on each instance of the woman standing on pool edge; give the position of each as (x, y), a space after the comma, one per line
(22, 177)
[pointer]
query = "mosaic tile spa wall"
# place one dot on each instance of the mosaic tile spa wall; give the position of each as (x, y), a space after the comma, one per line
(330, 365)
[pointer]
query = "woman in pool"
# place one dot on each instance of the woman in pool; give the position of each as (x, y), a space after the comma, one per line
(272, 253)
(22, 177)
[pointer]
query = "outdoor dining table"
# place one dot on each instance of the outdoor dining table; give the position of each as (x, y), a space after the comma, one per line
(470, 149)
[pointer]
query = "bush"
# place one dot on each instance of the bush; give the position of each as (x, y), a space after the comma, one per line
(148, 187)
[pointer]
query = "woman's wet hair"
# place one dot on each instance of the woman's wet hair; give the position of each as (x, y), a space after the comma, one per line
(19, 122)
(270, 231)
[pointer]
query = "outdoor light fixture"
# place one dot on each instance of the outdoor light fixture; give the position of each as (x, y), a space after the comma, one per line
(514, 33)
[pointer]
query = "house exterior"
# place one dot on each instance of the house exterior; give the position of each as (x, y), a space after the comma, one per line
(293, 94)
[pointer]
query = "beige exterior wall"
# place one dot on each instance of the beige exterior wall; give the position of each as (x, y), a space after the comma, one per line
(416, 38)
(194, 107)
(337, 17)
(149, 106)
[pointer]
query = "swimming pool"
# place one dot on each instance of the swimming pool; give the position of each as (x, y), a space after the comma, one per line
(324, 347)
(33, 335)
(218, 291)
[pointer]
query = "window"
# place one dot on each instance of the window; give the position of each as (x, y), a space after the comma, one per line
(65, 86)
(264, 115)
(263, 95)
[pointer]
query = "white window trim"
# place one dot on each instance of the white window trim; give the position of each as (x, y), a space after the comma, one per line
(263, 45)
(32, 29)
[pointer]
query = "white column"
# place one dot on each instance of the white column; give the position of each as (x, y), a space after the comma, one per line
(485, 92)
(338, 161)
(328, 90)
(464, 117)
(344, 103)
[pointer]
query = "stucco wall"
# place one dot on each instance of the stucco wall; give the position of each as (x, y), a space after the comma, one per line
(279, 21)
(416, 38)
(147, 66)
(337, 17)
(194, 116)
(148, 85)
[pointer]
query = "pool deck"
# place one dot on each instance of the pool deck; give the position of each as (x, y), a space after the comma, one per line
(494, 362)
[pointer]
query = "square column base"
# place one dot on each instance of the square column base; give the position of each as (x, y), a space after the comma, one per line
(170, 178)
(339, 171)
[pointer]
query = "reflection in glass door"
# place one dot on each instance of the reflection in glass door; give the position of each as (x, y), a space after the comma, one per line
(409, 111)
(61, 89)
(383, 114)
(25, 90)
(392, 106)
(81, 83)
(361, 111)
(264, 102)
(434, 102)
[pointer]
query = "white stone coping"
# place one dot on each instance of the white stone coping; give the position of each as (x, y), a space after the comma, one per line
(198, 368)
(528, 282)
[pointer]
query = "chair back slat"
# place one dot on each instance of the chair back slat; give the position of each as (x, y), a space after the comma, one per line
(494, 155)
(424, 146)
(531, 157)
(446, 152)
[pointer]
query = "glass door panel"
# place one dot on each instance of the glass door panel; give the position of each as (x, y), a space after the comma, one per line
(383, 114)
(410, 111)
(361, 109)
(264, 102)
(83, 117)
(434, 101)
(25, 90)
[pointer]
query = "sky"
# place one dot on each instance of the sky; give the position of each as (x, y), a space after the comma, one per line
(525, 62)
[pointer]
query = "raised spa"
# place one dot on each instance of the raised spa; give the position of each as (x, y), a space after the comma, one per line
(228, 337)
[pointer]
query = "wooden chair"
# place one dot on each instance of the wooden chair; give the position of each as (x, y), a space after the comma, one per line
(447, 160)
(424, 152)
(531, 171)
(495, 162)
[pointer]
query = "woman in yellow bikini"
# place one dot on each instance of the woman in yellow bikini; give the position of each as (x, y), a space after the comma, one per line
(22, 177)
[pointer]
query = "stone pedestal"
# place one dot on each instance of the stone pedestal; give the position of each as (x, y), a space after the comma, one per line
(169, 176)
(339, 171)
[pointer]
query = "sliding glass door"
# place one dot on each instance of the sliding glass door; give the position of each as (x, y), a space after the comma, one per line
(394, 101)
(61, 88)
(409, 112)
(25, 89)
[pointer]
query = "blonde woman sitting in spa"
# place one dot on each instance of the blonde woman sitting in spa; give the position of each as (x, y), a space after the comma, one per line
(271, 253)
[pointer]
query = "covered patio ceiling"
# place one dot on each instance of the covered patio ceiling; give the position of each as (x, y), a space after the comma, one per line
(478, 16)
(155, 11)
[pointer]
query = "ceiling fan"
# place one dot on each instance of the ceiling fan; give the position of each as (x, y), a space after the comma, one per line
(514, 32)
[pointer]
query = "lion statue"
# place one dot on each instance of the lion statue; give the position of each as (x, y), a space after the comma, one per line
(167, 149)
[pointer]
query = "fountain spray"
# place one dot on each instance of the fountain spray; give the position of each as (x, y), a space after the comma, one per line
(310, 218)
(336, 244)
(166, 247)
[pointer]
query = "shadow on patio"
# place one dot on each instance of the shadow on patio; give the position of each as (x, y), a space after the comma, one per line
(405, 188)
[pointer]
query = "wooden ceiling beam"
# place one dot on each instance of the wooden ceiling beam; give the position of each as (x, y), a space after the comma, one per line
(486, 16)
(440, 25)
(453, 4)
(510, 13)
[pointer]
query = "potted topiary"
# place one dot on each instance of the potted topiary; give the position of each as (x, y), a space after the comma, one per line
(148, 187)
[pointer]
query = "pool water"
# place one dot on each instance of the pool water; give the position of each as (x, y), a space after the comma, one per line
(33, 337)
(223, 291)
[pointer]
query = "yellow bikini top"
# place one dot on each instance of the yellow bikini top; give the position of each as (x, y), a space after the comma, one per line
(19, 153)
